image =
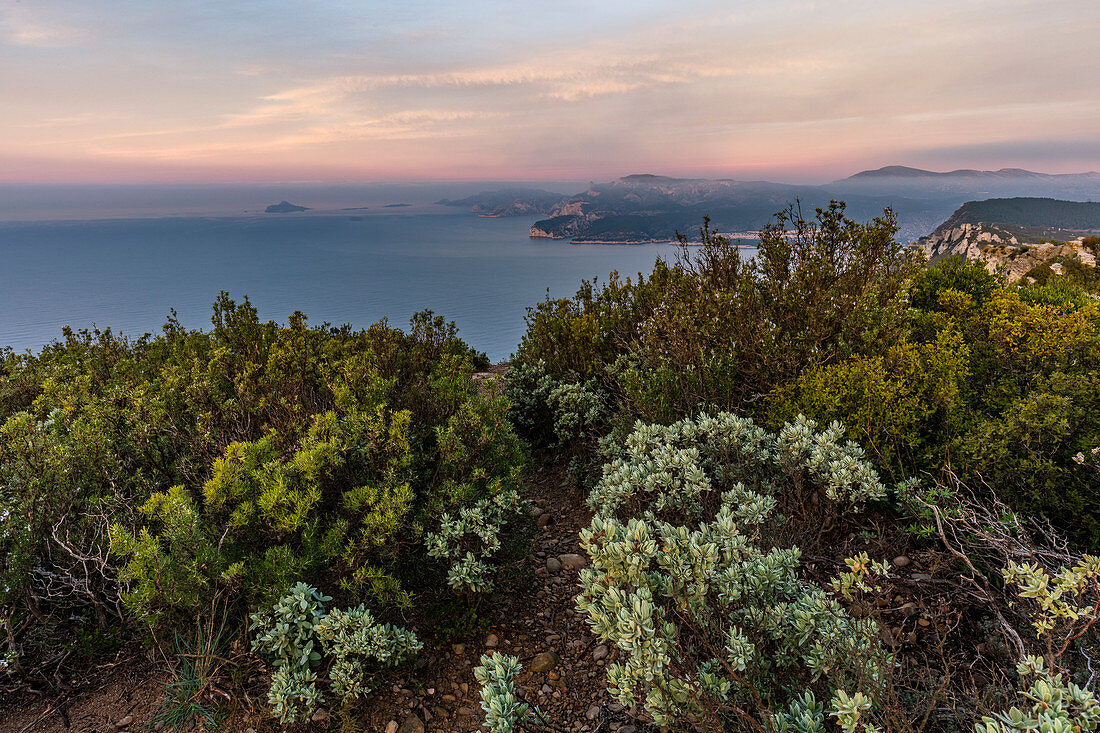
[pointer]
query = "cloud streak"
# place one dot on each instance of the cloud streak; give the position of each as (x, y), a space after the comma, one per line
(522, 90)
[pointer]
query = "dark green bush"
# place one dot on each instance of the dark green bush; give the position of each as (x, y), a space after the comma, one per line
(719, 329)
(239, 461)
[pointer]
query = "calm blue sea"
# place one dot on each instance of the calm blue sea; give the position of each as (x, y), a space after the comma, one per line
(340, 267)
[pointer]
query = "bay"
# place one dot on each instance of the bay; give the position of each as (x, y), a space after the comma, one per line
(353, 267)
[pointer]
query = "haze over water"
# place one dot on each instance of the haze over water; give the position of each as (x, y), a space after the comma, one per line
(352, 267)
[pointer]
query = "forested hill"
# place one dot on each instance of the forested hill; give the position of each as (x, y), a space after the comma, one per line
(1031, 213)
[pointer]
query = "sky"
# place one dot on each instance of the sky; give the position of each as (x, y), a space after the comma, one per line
(281, 90)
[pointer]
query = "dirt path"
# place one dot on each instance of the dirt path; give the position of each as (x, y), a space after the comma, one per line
(537, 622)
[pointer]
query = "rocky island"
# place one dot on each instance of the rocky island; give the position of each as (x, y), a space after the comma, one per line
(284, 207)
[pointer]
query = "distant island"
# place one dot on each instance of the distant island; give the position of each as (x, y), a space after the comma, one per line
(284, 207)
(395, 206)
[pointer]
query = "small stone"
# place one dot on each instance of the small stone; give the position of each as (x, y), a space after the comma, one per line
(427, 715)
(320, 715)
(391, 727)
(921, 576)
(600, 652)
(125, 721)
(900, 561)
(923, 622)
(544, 662)
(449, 698)
(628, 729)
(160, 726)
(458, 649)
(544, 520)
(553, 564)
(593, 712)
(573, 561)
(491, 641)
(534, 511)
(465, 712)
(441, 712)
(412, 724)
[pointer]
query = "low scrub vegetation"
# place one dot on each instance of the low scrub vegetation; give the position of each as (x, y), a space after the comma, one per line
(149, 481)
(765, 443)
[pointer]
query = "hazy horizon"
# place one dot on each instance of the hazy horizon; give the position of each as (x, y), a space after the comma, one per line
(799, 92)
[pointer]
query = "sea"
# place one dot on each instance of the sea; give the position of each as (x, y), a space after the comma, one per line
(123, 257)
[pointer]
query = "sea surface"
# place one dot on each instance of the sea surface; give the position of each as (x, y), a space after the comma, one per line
(334, 264)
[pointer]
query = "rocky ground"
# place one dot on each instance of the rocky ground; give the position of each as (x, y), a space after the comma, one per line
(562, 662)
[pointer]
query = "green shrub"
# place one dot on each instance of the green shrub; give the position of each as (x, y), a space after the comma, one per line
(712, 624)
(503, 712)
(291, 632)
(142, 478)
(715, 328)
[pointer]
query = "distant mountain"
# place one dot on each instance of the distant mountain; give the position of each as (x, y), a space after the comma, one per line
(509, 202)
(653, 208)
(901, 171)
(284, 207)
(960, 185)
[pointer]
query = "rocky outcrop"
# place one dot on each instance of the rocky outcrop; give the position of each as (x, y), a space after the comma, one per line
(999, 248)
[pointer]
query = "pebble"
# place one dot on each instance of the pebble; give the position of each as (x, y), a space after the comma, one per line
(459, 649)
(544, 662)
(449, 698)
(412, 724)
(921, 576)
(320, 715)
(553, 564)
(125, 722)
(534, 511)
(391, 727)
(491, 641)
(600, 652)
(900, 561)
(465, 711)
(593, 712)
(544, 520)
(573, 561)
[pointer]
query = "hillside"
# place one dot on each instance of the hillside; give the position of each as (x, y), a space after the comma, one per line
(1030, 217)
(1017, 234)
